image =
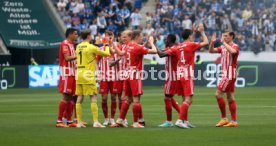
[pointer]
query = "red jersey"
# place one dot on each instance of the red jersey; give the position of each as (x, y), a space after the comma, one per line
(171, 63)
(229, 62)
(187, 55)
(107, 73)
(134, 55)
(67, 68)
(120, 66)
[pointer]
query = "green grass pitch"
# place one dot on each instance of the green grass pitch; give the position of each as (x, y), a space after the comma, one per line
(28, 116)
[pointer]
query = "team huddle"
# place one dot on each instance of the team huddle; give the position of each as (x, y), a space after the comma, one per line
(117, 65)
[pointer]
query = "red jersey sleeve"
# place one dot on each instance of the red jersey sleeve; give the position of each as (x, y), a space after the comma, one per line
(171, 51)
(65, 49)
(237, 48)
(219, 49)
(142, 50)
(195, 46)
(98, 57)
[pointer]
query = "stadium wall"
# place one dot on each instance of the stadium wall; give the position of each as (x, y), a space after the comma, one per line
(251, 74)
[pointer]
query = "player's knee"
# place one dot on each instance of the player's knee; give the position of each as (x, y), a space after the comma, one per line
(113, 99)
(104, 100)
(136, 100)
(168, 96)
(230, 98)
(189, 101)
(218, 95)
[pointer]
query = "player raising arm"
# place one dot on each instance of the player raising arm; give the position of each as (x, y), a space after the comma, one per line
(134, 53)
(186, 73)
(86, 81)
(229, 60)
(171, 53)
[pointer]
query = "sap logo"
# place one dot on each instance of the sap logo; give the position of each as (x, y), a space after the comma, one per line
(43, 76)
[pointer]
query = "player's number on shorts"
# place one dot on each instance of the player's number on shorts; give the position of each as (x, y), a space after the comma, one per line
(80, 53)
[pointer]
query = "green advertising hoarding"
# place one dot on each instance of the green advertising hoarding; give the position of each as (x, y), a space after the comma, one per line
(27, 24)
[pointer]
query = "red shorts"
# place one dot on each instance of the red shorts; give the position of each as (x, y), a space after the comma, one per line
(133, 87)
(105, 87)
(227, 85)
(67, 85)
(185, 87)
(118, 87)
(170, 87)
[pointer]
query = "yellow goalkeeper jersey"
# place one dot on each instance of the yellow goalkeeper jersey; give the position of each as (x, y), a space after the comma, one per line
(86, 62)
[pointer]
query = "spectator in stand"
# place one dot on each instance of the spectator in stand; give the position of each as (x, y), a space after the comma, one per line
(148, 18)
(258, 45)
(187, 23)
(247, 18)
(125, 14)
(79, 6)
(211, 23)
(138, 4)
(135, 19)
(75, 19)
(120, 23)
(148, 30)
(247, 13)
(168, 20)
(61, 5)
(160, 43)
(101, 22)
(94, 28)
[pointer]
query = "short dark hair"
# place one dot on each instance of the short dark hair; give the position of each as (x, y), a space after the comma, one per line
(119, 34)
(186, 33)
(231, 33)
(70, 31)
(84, 33)
(172, 38)
(135, 33)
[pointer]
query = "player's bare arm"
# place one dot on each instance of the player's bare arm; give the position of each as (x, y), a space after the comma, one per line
(69, 58)
(228, 47)
(212, 49)
(118, 51)
(204, 37)
(194, 28)
(153, 49)
(113, 62)
(111, 43)
(104, 53)
(161, 53)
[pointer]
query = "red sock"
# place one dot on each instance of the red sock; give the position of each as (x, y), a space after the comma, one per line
(61, 109)
(124, 109)
(69, 111)
(141, 116)
(175, 105)
(168, 108)
(136, 109)
(105, 108)
(222, 106)
(120, 104)
(184, 111)
(232, 108)
(73, 103)
(113, 108)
